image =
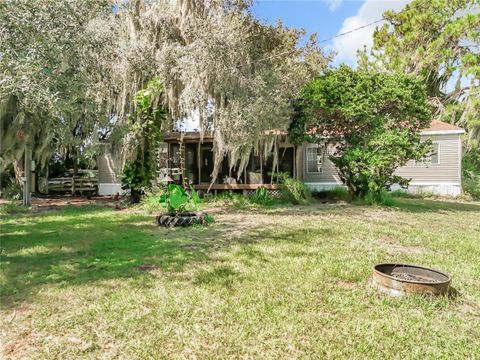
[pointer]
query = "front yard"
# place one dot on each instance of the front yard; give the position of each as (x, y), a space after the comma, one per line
(284, 282)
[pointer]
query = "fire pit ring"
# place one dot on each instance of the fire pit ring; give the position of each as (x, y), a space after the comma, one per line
(401, 279)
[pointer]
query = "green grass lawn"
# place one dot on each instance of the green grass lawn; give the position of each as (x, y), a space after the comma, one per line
(282, 282)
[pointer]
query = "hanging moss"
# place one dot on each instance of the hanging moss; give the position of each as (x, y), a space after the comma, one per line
(220, 65)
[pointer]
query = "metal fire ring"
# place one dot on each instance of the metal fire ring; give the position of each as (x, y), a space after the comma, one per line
(401, 279)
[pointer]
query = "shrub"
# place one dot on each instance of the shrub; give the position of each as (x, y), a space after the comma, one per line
(151, 202)
(403, 194)
(293, 190)
(227, 198)
(146, 135)
(13, 208)
(261, 196)
(471, 172)
(12, 190)
(337, 193)
(383, 198)
(135, 178)
(176, 200)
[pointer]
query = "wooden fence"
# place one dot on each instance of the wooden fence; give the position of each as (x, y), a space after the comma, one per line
(74, 184)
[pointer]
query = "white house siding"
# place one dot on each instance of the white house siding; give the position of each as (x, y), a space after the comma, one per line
(443, 178)
(108, 180)
(109, 170)
(327, 179)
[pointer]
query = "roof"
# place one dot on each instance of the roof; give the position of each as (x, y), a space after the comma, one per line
(192, 136)
(436, 126)
(187, 136)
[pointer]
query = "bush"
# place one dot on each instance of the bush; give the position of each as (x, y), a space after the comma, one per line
(383, 198)
(228, 199)
(135, 178)
(151, 202)
(12, 190)
(471, 172)
(403, 194)
(13, 208)
(373, 120)
(176, 200)
(335, 194)
(261, 196)
(293, 190)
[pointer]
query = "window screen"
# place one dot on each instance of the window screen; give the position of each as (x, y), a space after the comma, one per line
(435, 156)
(314, 159)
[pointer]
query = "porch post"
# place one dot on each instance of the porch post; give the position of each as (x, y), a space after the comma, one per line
(295, 162)
(261, 163)
(299, 162)
(199, 166)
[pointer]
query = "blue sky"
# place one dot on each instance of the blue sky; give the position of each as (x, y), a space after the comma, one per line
(329, 18)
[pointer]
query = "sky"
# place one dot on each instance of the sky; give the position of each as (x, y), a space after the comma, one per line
(328, 18)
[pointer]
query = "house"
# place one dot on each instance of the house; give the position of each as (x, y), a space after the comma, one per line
(441, 173)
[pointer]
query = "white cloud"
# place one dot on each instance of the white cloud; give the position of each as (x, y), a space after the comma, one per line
(346, 46)
(333, 4)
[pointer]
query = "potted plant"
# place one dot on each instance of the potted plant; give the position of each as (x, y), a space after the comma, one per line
(180, 206)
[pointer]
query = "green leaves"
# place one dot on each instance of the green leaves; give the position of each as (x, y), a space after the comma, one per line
(145, 129)
(176, 200)
(177, 196)
(374, 119)
(438, 41)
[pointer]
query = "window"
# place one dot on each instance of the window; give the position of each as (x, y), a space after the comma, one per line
(432, 158)
(435, 155)
(314, 158)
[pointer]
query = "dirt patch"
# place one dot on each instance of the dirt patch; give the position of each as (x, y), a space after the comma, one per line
(392, 247)
(347, 285)
(55, 203)
(146, 267)
(16, 348)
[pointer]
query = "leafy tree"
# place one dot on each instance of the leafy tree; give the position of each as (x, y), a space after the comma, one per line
(373, 119)
(471, 171)
(49, 76)
(144, 139)
(218, 64)
(437, 40)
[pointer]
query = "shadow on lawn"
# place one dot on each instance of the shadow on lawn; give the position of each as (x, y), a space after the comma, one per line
(87, 244)
(411, 205)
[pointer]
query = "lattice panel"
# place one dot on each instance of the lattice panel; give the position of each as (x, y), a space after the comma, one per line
(272, 192)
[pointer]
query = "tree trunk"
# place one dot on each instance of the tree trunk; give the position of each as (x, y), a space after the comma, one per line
(27, 184)
(74, 154)
(75, 162)
(134, 196)
(18, 170)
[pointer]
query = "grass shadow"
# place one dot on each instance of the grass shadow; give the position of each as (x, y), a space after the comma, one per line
(426, 206)
(82, 245)
(85, 244)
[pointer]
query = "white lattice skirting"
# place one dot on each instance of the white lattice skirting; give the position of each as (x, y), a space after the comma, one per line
(272, 192)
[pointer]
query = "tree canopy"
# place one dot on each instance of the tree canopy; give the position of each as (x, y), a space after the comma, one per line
(438, 40)
(67, 63)
(49, 74)
(373, 121)
(218, 64)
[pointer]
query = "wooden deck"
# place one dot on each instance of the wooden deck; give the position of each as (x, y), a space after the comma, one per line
(234, 186)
